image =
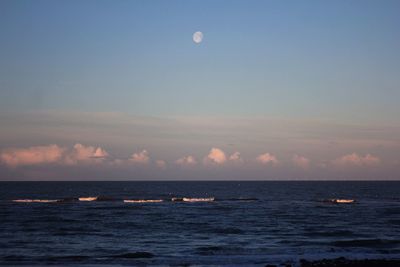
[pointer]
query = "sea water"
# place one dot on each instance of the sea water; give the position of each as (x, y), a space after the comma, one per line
(219, 223)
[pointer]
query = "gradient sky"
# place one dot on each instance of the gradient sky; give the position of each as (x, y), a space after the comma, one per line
(118, 90)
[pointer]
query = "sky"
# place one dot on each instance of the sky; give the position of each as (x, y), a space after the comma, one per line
(276, 90)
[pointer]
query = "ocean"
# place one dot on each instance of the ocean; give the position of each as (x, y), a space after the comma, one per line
(196, 223)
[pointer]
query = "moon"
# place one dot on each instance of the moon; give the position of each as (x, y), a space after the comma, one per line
(197, 37)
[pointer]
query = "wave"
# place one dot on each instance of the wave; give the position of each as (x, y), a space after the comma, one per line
(105, 198)
(340, 201)
(98, 198)
(69, 199)
(189, 199)
(37, 200)
(143, 200)
(208, 199)
(88, 198)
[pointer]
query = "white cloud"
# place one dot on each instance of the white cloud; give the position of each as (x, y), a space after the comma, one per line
(35, 155)
(186, 161)
(216, 156)
(301, 162)
(267, 158)
(141, 157)
(356, 160)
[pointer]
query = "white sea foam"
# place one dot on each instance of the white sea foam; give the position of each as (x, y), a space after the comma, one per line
(143, 200)
(208, 199)
(88, 198)
(342, 201)
(36, 200)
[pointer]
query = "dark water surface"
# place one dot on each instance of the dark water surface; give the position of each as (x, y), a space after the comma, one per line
(248, 223)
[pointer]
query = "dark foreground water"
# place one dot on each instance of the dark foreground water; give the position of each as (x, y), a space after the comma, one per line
(248, 223)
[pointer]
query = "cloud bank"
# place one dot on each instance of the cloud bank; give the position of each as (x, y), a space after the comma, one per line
(14, 157)
(52, 154)
(82, 154)
(356, 160)
(55, 160)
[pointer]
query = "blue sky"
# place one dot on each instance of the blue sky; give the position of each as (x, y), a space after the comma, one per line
(331, 62)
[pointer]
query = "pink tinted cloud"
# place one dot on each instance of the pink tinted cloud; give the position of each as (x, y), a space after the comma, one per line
(236, 157)
(161, 164)
(55, 154)
(356, 160)
(186, 161)
(35, 155)
(84, 154)
(301, 162)
(215, 156)
(267, 158)
(141, 157)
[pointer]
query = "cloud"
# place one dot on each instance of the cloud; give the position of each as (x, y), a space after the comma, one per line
(267, 158)
(301, 162)
(216, 156)
(235, 157)
(161, 164)
(35, 155)
(141, 157)
(186, 161)
(84, 154)
(52, 154)
(356, 160)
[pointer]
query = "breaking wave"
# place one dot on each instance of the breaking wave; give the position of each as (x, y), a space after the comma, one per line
(143, 200)
(37, 200)
(174, 199)
(208, 199)
(340, 201)
(88, 198)
(189, 199)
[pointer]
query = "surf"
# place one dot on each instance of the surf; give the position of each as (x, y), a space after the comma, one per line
(87, 198)
(36, 200)
(208, 199)
(143, 200)
(341, 201)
